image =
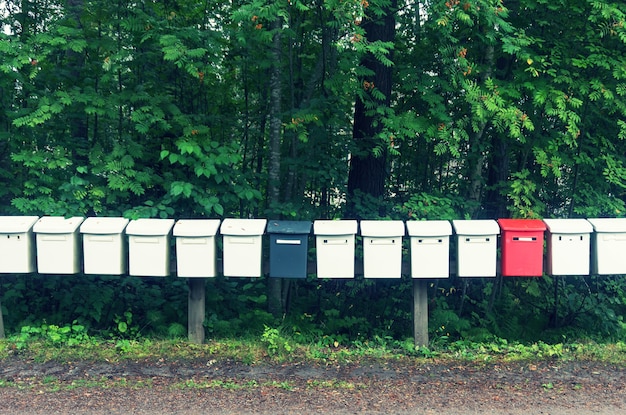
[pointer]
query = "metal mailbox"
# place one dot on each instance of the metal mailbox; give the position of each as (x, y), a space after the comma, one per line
(334, 243)
(17, 244)
(58, 246)
(149, 247)
(430, 248)
(195, 247)
(289, 244)
(522, 247)
(476, 247)
(568, 246)
(609, 246)
(104, 246)
(382, 248)
(243, 243)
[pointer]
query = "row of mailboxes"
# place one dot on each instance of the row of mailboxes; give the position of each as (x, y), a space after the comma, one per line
(106, 251)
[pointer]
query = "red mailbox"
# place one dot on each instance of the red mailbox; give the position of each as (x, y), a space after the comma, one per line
(522, 247)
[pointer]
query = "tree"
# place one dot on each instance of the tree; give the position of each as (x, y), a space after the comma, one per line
(368, 161)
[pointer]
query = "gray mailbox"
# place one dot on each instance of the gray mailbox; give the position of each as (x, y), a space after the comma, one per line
(289, 243)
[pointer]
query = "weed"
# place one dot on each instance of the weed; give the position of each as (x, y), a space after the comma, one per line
(275, 342)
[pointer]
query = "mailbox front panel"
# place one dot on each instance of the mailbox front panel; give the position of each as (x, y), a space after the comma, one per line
(17, 252)
(149, 256)
(58, 253)
(522, 253)
(288, 255)
(568, 254)
(610, 253)
(335, 256)
(195, 256)
(242, 255)
(476, 255)
(430, 256)
(382, 257)
(104, 254)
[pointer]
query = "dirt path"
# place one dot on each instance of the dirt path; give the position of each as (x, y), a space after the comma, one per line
(368, 388)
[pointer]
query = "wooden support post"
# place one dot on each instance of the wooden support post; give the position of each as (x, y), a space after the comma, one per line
(196, 310)
(1, 323)
(420, 312)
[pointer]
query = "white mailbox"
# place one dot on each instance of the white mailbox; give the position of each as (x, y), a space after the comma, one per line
(382, 248)
(609, 246)
(568, 246)
(58, 246)
(17, 245)
(104, 246)
(195, 247)
(334, 243)
(430, 248)
(243, 243)
(477, 242)
(149, 247)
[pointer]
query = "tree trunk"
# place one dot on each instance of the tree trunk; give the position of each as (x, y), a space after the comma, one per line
(275, 285)
(367, 171)
(478, 148)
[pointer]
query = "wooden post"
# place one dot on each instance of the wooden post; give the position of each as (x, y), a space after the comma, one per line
(196, 310)
(420, 312)
(1, 323)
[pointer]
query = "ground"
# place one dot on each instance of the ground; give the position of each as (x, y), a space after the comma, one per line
(405, 386)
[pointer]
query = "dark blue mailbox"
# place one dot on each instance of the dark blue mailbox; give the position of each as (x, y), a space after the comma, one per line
(289, 241)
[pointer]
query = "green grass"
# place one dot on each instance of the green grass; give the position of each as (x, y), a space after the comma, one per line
(269, 349)
(275, 347)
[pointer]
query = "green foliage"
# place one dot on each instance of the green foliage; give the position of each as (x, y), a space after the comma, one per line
(162, 110)
(73, 335)
(275, 342)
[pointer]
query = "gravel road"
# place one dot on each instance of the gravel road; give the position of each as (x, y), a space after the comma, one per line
(226, 387)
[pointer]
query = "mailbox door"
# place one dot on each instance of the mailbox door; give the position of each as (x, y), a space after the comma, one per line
(288, 255)
(242, 256)
(335, 256)
(476, 255)
(569, 254)
(57, 253)
(610, 253)
(382, 257)
(430, 256)
(17, 253)
(104, 254)
(195, 256)
(522, 253)
(149, 256)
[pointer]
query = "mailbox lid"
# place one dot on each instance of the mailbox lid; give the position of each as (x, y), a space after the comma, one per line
(243, 227)
(382, 228)
(103, 226)
(335, 227)
(149, 227)
(196, 227)
(289, 227)
(521, 225)
(476, 227)
(568, 225)
(17, 224)
(429, 228)
(57, 224)
(608, 225)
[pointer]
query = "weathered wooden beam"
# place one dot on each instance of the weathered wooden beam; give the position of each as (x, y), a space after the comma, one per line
(196, 309)
(1, 323)
(420, 312)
